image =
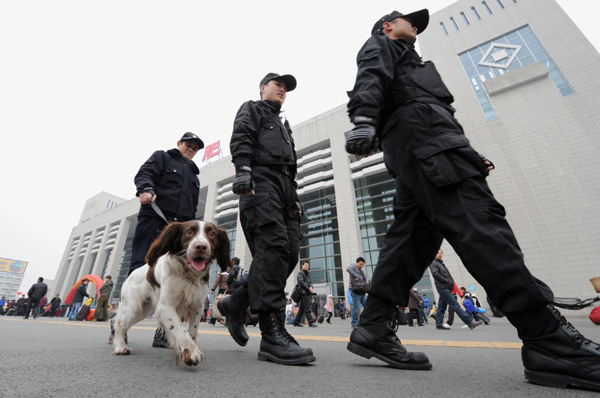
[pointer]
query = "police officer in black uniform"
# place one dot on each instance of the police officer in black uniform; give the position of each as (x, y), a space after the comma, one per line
(400, 104)
(167, 183)
(262, 150)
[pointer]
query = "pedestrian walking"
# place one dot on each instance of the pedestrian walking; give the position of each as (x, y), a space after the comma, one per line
(102, 311)
(359, 285)
(413, 307)
(329, 308)
(400, 104)
(263, 152)
(305, 306)
(36, 293)
(80, 293)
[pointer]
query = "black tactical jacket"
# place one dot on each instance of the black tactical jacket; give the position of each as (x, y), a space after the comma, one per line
(175, 182)
(391, 74)
(260, 137)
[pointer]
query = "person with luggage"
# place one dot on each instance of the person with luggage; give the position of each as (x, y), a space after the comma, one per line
(101, 314)
(358, 283)
(400, 104)
(36, 293)
(263, 152)
(80, 293)
(444, 284)
(221, 285)
(2, 305)
(305, 304)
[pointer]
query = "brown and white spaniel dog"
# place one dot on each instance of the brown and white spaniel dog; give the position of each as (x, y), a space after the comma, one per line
(174, 283)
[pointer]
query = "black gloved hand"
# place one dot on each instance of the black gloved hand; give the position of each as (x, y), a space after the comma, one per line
(242, 183)
(362, 140)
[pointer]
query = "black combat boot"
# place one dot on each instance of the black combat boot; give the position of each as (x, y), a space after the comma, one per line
(380, 341)
(565, 358)
(277, 345)
(236, 318)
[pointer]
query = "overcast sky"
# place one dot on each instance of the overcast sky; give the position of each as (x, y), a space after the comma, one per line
(89, 90)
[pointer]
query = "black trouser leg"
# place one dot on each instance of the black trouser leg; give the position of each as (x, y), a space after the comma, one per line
(146, 231)
(434, 199)
(272, 229)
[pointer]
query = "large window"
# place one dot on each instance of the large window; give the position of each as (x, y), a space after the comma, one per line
(374, 198)
(320, 245)
(229, 224)
(506, 53)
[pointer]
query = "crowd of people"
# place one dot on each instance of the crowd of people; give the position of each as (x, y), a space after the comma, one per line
(400, 105)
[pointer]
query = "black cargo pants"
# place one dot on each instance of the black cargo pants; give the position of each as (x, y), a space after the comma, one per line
(441, 192)
(271, 226)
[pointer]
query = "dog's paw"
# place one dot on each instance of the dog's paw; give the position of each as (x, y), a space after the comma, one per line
(121, 350)
(191, 357)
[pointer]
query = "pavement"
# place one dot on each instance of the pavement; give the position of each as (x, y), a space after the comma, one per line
(57, 358)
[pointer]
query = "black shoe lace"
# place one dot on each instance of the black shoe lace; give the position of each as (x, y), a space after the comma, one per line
(571, 303)
(394, 323)
(279, 330)
(578, 336)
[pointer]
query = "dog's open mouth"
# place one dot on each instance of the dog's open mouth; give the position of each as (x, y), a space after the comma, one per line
(197, 263)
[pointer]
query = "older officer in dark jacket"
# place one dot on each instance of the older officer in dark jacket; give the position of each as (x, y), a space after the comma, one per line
(306, 288)
(262, 150)
(400, 102)
(170, 180)
(35, 293)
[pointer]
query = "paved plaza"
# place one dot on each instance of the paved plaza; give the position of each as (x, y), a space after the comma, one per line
(57, 358)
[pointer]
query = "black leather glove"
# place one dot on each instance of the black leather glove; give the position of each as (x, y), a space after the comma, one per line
(242, 183)
(485, 159)
(362, 140)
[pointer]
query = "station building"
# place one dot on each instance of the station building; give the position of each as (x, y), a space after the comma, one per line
(526, 91)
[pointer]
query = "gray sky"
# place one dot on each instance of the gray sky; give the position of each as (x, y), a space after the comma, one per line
(89, 90)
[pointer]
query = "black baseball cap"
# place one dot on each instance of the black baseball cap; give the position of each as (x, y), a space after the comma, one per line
(193, 137)
(289, 80)
(419, 19)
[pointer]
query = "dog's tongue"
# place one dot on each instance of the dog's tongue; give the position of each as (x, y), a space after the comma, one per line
(197, 265)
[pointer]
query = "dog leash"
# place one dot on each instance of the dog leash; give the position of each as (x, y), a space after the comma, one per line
(159, 212)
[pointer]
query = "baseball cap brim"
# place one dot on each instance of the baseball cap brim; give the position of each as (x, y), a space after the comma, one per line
(288, 80)
(419, 19)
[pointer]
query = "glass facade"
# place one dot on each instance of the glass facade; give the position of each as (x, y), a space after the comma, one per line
(123, 267)
(526, 49)
(320, 245)
(375, 198)
(229, 224)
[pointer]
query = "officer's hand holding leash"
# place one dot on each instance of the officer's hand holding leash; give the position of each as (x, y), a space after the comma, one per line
(242, 183)
(147, 197)
(362, 140)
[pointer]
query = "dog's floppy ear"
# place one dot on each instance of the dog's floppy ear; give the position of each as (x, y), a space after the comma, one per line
(222, 250)
(169, 241)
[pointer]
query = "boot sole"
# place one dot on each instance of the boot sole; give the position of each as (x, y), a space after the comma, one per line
(365, 353)
(558, 380)
(239, 341)
(265, 356)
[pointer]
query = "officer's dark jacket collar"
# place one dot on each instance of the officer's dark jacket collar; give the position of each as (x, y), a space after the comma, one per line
(176, 154)
(270, 106)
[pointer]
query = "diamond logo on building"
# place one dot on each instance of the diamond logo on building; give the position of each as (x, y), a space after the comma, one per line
(500, 55)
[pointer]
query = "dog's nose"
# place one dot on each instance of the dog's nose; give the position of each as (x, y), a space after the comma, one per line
(201, 247)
